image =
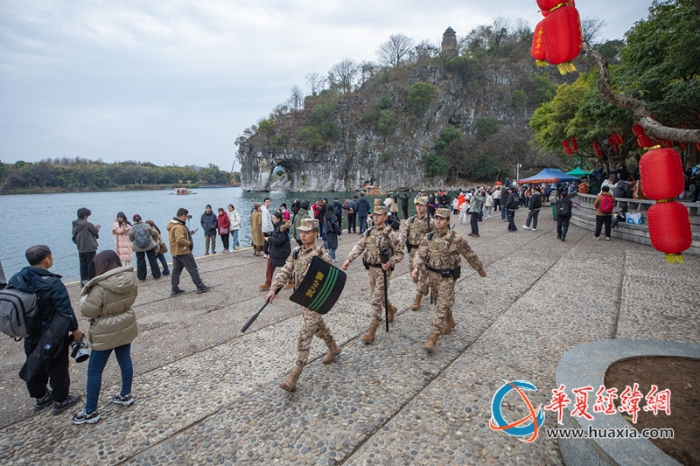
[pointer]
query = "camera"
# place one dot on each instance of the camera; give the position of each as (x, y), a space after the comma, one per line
(189, 217)
(79, 350)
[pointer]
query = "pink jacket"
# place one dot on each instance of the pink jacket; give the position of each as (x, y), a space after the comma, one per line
(122, 244)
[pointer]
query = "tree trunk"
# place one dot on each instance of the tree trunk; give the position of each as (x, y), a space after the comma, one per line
(637, 107)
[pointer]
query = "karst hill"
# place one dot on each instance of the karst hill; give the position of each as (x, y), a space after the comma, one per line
(430, 116)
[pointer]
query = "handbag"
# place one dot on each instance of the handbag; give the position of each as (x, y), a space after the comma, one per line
(224, 231)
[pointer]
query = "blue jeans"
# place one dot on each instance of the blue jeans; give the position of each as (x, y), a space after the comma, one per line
(164, 261)
(234, 240)
(331, 252)
(96, 365)
(363, 223)
(504, 213)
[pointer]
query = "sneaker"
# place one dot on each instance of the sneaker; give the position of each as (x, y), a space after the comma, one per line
(534, 229)
(203, 289)
(124, 400)
(563, 239)
(264, 287)
(60, 406)
(596, 238)
(176, 292)
(86, 418)
(165, 274)
(44, 401)
(607, 238)
(525, 227)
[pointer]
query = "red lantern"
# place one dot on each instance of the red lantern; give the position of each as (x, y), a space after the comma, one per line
(617, 138)
(669, 229)
(638, 130)
(697, 146)
(662, 173)
(574, 144)
(598, 151)
(565, 143)
(670, 144)
(682, 145)
(548, 5)
(644, 141)
(562, 37)
(537, 51)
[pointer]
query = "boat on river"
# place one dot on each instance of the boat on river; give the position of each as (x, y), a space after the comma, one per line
(183, 192)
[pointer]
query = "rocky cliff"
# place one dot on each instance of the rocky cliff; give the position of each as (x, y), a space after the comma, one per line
(384, 133)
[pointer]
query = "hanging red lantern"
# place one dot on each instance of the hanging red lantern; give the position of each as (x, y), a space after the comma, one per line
(645, 141)
(697, 146)
(682, 145)
(597, 149)
(638, 130)
(565, 143)
(669, 229)
(548, 5)
(574, 144)
(670, 144)
(662, 172)
(613, 146)
(537, 51)
(617, 138)
(562, 37)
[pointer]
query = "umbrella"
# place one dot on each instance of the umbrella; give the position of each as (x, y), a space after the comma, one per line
(549, 175)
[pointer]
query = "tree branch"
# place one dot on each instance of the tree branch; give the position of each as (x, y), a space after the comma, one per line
(642, 116)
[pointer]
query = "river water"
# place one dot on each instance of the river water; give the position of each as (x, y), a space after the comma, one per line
(30, 219)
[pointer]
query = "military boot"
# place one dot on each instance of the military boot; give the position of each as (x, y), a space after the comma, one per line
(432, 340)
(369, 336)
(392, 312)
(291, 383)
(333, 351)
(449, 324)
(416, 302)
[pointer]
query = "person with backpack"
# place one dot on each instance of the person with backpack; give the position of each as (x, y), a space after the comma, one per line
(106, 301)
(160, 250)
(85, 236)
(604, 204)
(534, 205)
(47, 347)
(144, 244)
(562, 210)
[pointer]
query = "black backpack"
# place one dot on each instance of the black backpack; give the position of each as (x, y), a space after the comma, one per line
(562, 208)
(394, 222)
(19, 313)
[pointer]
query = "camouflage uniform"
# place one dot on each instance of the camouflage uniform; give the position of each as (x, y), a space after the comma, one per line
(440, 252)
(295, 269)
(370, 243)
(412, 233)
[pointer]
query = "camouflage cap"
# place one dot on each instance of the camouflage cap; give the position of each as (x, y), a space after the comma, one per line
(308, 224)
(442, 212)
(420, 201)
(380, 210)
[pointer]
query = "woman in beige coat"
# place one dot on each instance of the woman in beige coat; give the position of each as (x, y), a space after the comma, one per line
(256, 229)
(106, 300)
(122, 243)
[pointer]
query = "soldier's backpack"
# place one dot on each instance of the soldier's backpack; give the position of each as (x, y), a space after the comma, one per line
(607, 205)
(393, 222)
(19, 313)
(141, 238)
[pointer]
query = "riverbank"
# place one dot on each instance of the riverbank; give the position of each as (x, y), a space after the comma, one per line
(207, 393)
(131, 187)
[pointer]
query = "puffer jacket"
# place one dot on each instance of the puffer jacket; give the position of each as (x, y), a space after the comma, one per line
(149, 231)
(235, 220)
(280, 248)
(106, 300)
(122, 243)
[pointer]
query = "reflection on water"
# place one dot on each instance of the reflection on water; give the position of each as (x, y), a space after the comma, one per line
(29, 219)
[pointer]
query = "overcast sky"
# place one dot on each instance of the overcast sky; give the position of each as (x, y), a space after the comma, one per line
(177, 81)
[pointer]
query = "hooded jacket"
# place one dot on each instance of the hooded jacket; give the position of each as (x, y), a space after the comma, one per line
(223, 222)
(209, 223)
(106, 300)
(179, 237)
(122, 244)
(362, 207)
(52, 297)
(85, 235)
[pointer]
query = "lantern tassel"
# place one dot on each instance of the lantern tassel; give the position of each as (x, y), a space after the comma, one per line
(674, 258)
(541, 63)
(566, 67)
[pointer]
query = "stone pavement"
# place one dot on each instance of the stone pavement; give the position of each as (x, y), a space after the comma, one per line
(205, 393)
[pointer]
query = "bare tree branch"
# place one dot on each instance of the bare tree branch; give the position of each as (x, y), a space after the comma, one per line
(393, 51)
(639, 108)
(315, 81)
(590, 28)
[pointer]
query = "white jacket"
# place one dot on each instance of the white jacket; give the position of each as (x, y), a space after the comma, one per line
(266, 219)
(235, 220)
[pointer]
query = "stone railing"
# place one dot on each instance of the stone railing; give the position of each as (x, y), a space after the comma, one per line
(584, 217)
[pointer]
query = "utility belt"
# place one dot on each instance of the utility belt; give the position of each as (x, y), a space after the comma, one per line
(411, 246)
(368, 265)
(447, 273)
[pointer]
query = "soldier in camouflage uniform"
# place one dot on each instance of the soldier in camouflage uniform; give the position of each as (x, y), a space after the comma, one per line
(438, 257)
(412, 233)
(381, 236)
(295, 269)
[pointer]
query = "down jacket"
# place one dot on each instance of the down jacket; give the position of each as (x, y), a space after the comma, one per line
(106, 300)
(280, 248)
(122, 243)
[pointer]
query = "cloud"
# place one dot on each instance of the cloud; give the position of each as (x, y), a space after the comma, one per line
(175, 81)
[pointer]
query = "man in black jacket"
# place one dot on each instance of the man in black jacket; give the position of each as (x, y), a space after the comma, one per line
(362, 208)
(404, 204)
(54, 306)
(512, 204)
(85, 236)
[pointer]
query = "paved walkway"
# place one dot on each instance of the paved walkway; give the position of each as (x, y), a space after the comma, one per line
(205, 393)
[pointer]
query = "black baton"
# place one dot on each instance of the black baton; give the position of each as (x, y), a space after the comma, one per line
(255, 316)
